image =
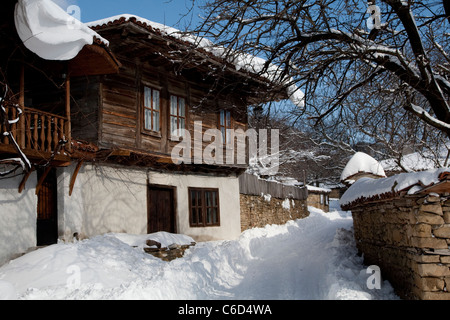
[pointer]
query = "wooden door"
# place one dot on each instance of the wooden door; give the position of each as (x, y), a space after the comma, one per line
(47, 213)
(161, 209)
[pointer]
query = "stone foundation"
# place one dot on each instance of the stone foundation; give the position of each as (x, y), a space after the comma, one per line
(259, 211)
(408, 237)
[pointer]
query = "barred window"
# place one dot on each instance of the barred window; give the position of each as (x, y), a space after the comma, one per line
(204, 207)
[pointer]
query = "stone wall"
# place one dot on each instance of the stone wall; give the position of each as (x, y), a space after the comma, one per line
(408, 237)
(319, 200)
(259, 211)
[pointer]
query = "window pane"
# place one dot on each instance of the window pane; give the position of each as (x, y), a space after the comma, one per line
(182, 106)
(148, 119)
(222, 118)
(207, 199)
(199, 198)
(155, 121)
(193, 198)
(173, 105)
(214, 199)
(147, 97)
(208, 216)
(156, 99)
(228, 119)
(173, 126)
(194, 216)
(182, 126)
(200, 216)
(214, 216)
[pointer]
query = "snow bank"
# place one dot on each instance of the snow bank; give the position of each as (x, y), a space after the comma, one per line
(413, 182)
(312, 258)
(49, 31)
(362, 162)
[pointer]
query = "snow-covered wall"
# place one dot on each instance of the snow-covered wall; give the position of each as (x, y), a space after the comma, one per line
(17, 217)
(114, 199)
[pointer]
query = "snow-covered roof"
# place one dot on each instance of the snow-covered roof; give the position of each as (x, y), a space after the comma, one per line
(318, 189)
(374, 189)
(50, 32)
(241, 61)
(362, 163)
(413, 162)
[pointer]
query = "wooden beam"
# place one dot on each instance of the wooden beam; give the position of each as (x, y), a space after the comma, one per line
(68, 132)
(24, 181)
(74, 177)
(22, 106)
(42, 179)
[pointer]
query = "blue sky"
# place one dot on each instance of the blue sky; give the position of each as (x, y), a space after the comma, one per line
(168, 12)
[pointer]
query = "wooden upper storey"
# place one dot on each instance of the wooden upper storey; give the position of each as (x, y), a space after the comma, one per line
(162, 85)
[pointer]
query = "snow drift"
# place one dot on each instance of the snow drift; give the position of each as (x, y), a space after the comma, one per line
(312, 258)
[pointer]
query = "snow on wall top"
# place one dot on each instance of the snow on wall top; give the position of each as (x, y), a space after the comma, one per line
(242, 61)
(362, 163)
(50, 32)
(369, 188)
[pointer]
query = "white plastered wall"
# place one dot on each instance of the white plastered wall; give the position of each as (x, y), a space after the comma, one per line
(17, 216)
(114, 199)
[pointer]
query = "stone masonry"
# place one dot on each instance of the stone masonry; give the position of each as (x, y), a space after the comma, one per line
(259, 211)
(408, 237)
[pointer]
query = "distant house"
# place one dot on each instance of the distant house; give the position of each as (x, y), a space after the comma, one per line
(319, 197)
(361, 165)
(101, 129)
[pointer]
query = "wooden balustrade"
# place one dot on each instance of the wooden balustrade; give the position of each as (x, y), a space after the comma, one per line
(36, 130)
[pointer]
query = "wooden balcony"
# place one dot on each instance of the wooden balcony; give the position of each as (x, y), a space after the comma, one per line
(37, 133)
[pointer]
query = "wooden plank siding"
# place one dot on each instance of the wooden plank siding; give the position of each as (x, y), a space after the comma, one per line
(110, 112)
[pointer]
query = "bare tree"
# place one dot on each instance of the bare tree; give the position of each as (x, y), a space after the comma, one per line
(355, 60)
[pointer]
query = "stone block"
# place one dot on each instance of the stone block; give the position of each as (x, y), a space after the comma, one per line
(432, 270)
(422, 230)
(435, 296)
(442, 232)
(434, 208)
(430, 284)
(430, 218)
(432, 243)
(447, 217)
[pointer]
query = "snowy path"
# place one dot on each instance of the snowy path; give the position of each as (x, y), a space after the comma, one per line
(313, 258)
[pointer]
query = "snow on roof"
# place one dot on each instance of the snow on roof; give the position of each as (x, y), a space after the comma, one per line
(50, 32)
(317, 189)
(362, 163)
(369, 188)
(413, 162)
(242, 61)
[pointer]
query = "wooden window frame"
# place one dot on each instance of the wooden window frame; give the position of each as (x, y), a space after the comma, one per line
(178, 116)
(225, 127)
(152, 111)
(202, 208)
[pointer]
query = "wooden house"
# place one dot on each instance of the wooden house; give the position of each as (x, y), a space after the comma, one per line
(119, 106)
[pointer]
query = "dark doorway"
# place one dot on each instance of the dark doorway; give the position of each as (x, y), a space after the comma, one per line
(161, 209)
(47, 212)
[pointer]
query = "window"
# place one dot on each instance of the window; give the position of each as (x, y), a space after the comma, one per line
(204, 207)
(152, 110)
(225, 126)
(177, 115)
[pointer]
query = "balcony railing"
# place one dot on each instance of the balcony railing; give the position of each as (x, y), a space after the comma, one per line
(36, 130)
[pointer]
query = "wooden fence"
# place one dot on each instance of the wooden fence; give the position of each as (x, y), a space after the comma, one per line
(252, 185)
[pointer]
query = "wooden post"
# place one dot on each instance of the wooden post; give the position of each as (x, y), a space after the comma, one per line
(22, 121)
(68, 127)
